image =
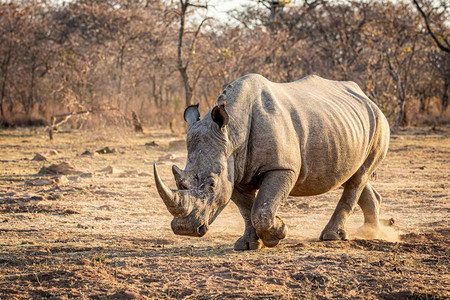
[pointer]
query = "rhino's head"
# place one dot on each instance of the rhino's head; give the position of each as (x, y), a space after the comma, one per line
(206, 184)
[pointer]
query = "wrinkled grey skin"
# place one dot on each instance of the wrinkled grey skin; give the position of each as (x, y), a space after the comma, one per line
(272, 140)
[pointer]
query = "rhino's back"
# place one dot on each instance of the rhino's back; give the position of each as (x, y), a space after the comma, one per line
(323, 130)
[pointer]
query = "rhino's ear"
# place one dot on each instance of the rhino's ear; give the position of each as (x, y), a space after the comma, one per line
(219, 115)
(191, 114)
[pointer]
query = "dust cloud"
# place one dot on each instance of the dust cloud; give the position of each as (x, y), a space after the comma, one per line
(387, 233)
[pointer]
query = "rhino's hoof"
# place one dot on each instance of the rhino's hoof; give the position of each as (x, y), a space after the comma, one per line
(273, 238)
(242, 245)
(334, 235)
(271, 243)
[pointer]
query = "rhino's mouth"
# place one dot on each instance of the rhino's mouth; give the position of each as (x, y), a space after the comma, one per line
(184, 227)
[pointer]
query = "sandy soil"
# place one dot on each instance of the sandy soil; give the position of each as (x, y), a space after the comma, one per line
(104, 232)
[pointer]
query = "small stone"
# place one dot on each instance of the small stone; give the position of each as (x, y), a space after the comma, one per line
(39, 157)
(74, 178)
(54, 196)
(71, 212)
(64, 168)
(51, 152)
(102, 218)
(167, 157)
(107, 150)
(60, 179)
(82, 226)
(40, 182)
(104, 207)
(110, 170)
(152, 144)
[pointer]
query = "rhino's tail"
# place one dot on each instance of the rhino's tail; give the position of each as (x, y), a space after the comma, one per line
(373, 176)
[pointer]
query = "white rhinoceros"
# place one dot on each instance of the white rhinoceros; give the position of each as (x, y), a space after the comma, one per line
(262, 141)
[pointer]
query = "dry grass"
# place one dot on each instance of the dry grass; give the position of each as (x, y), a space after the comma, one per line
(108, 235)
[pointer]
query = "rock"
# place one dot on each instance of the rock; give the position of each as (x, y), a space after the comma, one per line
(152, 144)
(51, 152)
(110, 170)
(82, 226)
(74, 178)
(87, 153)
(107, 150)
(63, 168)
(71, 212)
(167, 157)
(40, 182)
(102, 218)
(389, 222)
(39, 157)
(86, 175)
(54, 197)
(104, 207)
(60, 179)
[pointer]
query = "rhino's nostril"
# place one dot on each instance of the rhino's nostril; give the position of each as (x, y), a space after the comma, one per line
(202, 230)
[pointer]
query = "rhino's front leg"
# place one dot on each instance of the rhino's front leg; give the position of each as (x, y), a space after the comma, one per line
(243, 198)
(275, 187)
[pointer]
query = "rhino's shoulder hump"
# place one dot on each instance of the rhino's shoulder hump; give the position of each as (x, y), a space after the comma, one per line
(311, 77)
(252, 79)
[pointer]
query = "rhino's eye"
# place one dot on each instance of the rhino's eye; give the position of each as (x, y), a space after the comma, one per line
(210, 182)
(183, 186)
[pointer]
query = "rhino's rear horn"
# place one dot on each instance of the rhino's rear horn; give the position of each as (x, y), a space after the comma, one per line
(177, 203)
(179, 176)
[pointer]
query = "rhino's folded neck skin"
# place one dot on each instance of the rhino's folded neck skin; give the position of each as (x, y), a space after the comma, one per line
(239, 97)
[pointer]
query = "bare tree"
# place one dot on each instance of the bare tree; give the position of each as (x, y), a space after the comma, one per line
(184, 60)
(440, 39)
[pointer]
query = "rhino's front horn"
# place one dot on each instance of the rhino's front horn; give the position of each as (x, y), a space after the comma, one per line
(178, 203)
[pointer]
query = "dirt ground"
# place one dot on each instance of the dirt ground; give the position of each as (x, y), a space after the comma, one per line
(103, 232)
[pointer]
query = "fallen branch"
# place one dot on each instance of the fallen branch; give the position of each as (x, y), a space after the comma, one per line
(54, 126)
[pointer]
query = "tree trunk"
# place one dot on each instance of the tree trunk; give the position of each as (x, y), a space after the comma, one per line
(402, 119)
(30, 102)
(5, 67)
(182, 67)
(444, 98)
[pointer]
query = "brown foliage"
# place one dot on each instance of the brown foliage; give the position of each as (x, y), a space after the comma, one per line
(155, 57)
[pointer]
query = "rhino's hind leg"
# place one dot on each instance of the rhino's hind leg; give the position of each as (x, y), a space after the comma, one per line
(244, 198)
(335, 229)
(370, 202)
(274, 189)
